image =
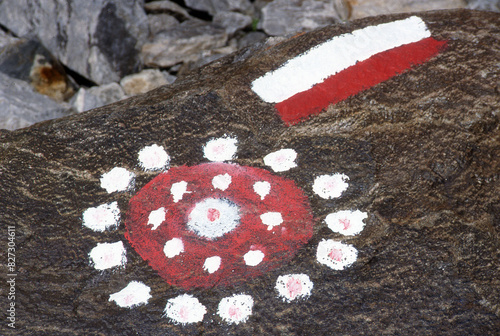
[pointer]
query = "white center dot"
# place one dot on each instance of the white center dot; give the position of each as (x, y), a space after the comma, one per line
(213, 217)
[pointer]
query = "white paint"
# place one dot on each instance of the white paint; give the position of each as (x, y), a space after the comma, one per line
(185, 309)
(135, 294)
(271, 219)
(294, 286)
(330, 186)
(213, 218)
(221, 149)
(253, 258)
(108, 255)
(212, 264)
(156, 217)
(262, 188)
(324, 60)
(117, 179)
(154, 157)
(173, 247)
(102, 217)
(346, 222)
(335, 254)
(222, 181)
(281, 160)
(178, 190)
(235, 309)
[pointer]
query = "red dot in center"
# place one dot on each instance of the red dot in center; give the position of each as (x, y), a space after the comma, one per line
(213, 214)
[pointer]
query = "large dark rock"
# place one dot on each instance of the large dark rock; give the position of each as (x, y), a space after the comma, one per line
(421, 150)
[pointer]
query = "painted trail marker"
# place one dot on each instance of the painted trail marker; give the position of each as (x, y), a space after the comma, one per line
(345, 65)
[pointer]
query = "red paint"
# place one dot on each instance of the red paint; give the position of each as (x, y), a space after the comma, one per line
(294, 287)
(213, 214)
(336, 254)
(345, 222)
(359, 77)
(186, 269)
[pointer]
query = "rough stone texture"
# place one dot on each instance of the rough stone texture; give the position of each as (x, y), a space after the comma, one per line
(216, 6)
(161, 22)
(6, 39)
(106, 52)
(167, 7)
(283, 17)
(421, 150)
(232, 21)
(143, 82)
(184, 43)
(21, 106)
(97, 96)
(363, 8)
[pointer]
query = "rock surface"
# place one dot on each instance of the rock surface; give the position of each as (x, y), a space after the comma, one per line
(421, 151)
(364, 8)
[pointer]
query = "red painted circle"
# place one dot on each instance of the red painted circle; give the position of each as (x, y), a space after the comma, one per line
(278, 242)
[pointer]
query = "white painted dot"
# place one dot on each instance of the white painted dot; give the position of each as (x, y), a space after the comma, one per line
(178, 190)
(213, 217)
(271, 219)
(262, 188)
(221, 149)
(253, 258)
(212, 264)
(281, 160)
(173, 247)
(135, 294)
(294, 286)
(102, 217)
(235, 309)
(335, 254)
(330, 186)
(222, 181)
(154, 157)
(346, 222)
(117, 179)
(156, 217)
(108, 255)
(185, 309)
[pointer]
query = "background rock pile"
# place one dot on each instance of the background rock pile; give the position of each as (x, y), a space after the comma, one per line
(59, 57)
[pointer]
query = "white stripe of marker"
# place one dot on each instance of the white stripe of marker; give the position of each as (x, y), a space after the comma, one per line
(324, 60)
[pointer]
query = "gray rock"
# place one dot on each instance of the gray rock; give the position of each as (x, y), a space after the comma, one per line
(486, 5)
(161, 22)
(21, 106)
(363, 8)
(284, 17)
(97, 96)
(169, 77)
(99, 39)
(184, 43)
(232, 21)
(215, 6)
(143, 82)
(251, 38)
(6, 39)
(167, 7)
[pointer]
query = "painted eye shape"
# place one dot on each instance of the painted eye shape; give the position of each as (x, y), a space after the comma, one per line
(222, 223)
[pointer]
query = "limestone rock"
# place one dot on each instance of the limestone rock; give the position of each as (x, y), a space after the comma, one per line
(21, 106)
(232, 21)
(107, 51)
(97, 96)
(167, 7)
(143, 82)
(184, 43)
(215, 6)
(363, 8)
(6, 39)
(284, 17)
(161, 22)
(418, 155)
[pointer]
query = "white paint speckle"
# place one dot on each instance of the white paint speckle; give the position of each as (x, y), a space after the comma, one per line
(253, 258)
(221, 149)
(330, 186)
(102, 217)
(346, 222)
(154, 157)
(212, 264)
(262, 188)
(294, 286)
(117, 179)
(135, 294)
(335, 254)
(173, 247)
(108, 255)
(222, 181)
(213, 217)
(235, 309)
(271, 219)
(281, 160)
(156, 217)
(178, 190)
(185, 309)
